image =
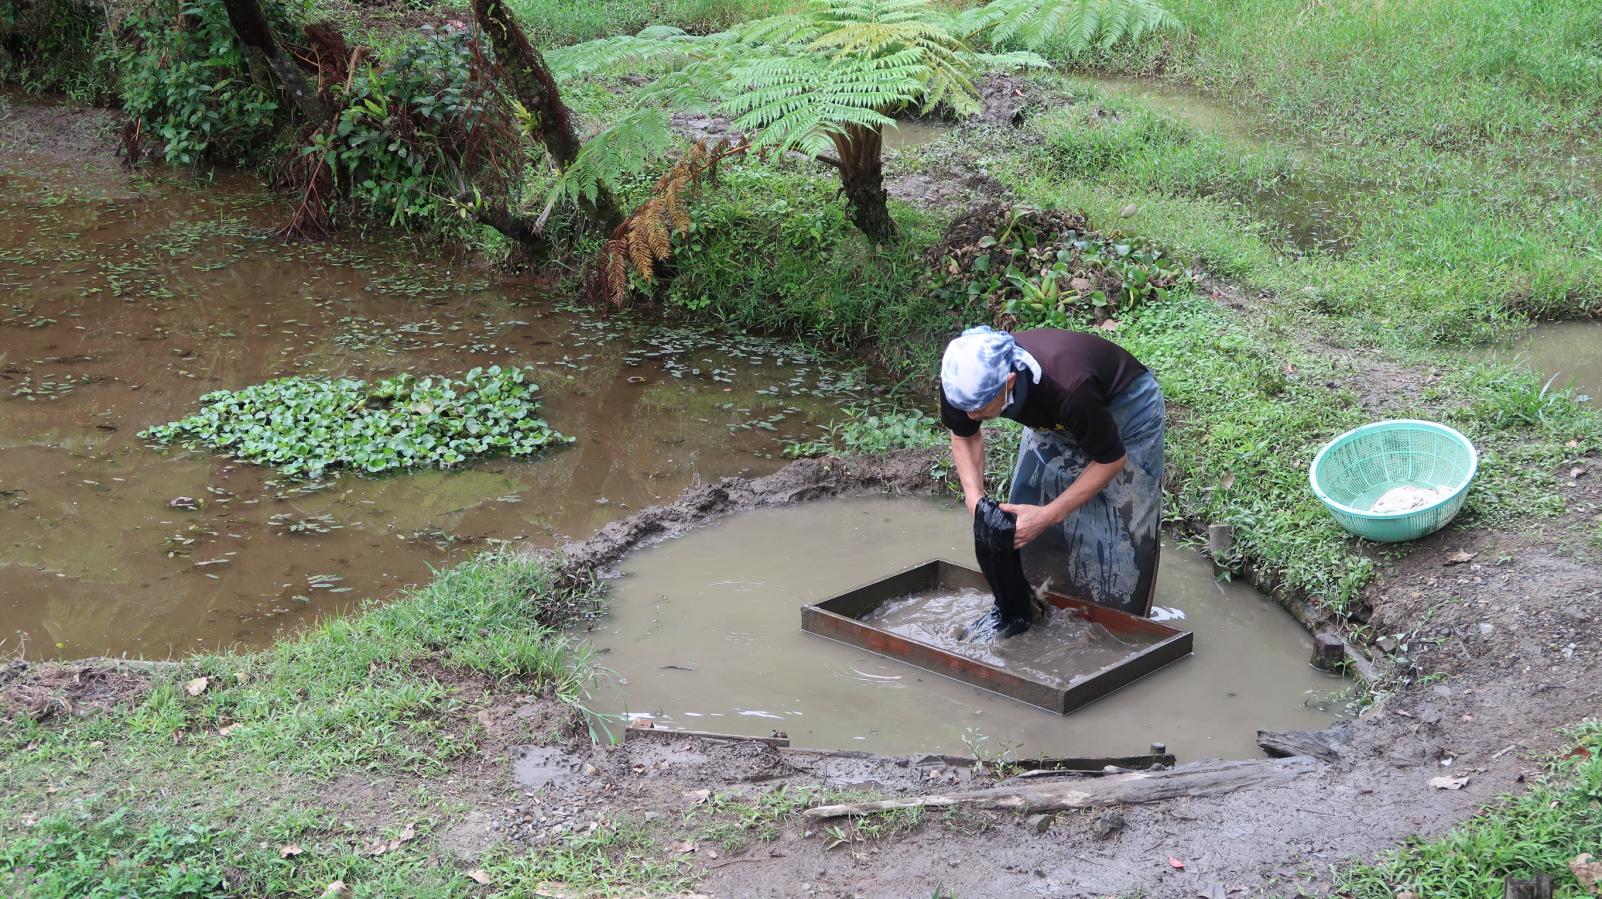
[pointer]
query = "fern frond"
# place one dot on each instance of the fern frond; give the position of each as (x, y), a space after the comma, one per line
(1073, 26)
(627, 147)
(655, 48)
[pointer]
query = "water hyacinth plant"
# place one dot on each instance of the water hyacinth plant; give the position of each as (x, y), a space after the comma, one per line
(306, 426)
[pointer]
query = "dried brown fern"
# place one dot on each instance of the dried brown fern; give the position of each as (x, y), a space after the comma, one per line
(643, 242)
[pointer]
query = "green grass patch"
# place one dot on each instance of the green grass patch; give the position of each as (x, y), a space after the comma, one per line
(307, 426)
(608, 861)
(109, 858)
(161, 793)
(1539, 831)
(566, 22)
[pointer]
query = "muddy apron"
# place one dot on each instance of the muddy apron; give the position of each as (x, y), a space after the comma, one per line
(1106, 550)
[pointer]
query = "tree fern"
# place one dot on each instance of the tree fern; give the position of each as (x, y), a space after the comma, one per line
(625, 148)
(831, 75)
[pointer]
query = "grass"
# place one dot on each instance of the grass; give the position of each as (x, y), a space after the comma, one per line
(161, 798)
(1538, 831)
(566, 22)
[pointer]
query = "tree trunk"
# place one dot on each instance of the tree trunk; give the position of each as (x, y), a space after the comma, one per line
(531, 83)
(862, 177)
(256, 37)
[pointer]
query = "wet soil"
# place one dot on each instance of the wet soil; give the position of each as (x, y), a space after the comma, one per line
(126, 300)
(703, 633)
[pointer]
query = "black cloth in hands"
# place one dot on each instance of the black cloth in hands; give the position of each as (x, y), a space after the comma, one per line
(993, 535)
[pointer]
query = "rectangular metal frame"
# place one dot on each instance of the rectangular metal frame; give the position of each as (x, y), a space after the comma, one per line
(839, 618)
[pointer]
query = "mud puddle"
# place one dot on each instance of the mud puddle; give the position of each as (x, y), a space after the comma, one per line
(1056, 650)
(1569, 353)
(120, 307)
(704, 634)
(910, 135)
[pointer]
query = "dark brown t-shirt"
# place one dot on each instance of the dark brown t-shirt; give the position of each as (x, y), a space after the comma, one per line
(1079, 376)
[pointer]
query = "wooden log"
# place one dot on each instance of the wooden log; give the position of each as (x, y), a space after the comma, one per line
(636, 732)
(1537, 887)
(1220, 543)
(1324, 745)
(1205, 779)
(1095, 764)
(1329, 651)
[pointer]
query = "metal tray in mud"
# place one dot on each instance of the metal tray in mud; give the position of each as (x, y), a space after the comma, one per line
(839, 618)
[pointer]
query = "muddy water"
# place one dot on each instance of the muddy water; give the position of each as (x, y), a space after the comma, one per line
(1056, 650)
(1570, 353)
(123, 302)
(1313, 209)
(704, 633)
(909, 135)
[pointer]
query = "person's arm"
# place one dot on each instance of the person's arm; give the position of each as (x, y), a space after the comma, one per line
(1033, 520)
(969, 455)
(1085, 416)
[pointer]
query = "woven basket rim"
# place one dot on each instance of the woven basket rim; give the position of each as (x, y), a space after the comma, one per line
(1389, 424)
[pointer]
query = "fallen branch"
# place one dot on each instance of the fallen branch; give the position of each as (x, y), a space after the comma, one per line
(1205, 779)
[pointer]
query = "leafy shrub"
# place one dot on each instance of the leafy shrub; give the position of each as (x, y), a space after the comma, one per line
(415, 131)
(1047, 269)
(50, 47)
(304, 426)
(70, 856)
(873, 433)
(186, 83)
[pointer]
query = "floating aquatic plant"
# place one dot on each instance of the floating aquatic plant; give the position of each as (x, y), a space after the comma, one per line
(305, 426)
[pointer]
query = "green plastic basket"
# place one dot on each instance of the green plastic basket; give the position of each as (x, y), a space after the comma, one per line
(1352, 471)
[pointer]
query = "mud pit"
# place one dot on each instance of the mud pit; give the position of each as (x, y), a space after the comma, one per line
(704, 633)
(1056, 650)
(123, 301)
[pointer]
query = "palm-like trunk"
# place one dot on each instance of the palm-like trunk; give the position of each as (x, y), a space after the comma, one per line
(533, 85)
(256, 37)
(861, 167)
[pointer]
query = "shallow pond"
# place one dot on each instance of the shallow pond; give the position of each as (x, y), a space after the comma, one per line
(1313, 209)
(1570, 353)
(704, 633)
(122, 303)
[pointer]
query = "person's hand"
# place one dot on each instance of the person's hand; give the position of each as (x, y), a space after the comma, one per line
(972, 500)
(1032, 522)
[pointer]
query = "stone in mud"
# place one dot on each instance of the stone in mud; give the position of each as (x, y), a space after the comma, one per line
(1108, 823)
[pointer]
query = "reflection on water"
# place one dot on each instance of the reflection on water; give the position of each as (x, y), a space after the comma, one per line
(705, 633)
(122, 303)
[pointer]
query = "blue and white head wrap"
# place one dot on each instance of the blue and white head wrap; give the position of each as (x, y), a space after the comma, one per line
(976, 366)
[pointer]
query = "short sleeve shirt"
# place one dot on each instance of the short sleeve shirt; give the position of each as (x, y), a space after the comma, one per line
(1080, 375)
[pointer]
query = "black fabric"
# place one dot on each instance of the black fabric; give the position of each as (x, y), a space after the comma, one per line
(993, 535)
(1080, 375)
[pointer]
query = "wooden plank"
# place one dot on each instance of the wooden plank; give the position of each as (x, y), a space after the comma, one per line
(1203, 779)
(838, 618)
